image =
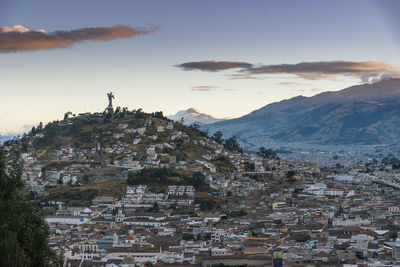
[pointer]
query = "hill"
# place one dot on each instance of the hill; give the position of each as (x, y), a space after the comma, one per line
(107, 140)
(362, 114)
(95, 153)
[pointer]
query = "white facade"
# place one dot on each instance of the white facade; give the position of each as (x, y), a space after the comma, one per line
(66, 219)
(218, 252)
(350, 220)
(219, 236)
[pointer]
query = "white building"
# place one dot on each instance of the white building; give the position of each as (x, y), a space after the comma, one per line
(74, 220)
(219, 252)
(219, 236)
(350, 220)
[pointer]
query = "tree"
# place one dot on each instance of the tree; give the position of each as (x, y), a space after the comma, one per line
(249, 166)
(232, 144)
(195, 126)
(242, 213)
(66, 115)
(187, 236)
(117, 113)
(85, 178)
(267, 153)
(223, 164)
(217, 137)
(155, 208)
(393, 235)
(24, 234)
(124, 111)
(158, 114)
(290, 176)
(39, 128)
(198, 180)
(207, 204)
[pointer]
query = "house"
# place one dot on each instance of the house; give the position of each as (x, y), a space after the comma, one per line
(79, 211)
(140, 130)
(175, 190)
(122, 126)
(278, 205)
(394, 209)
(170, 126)
(349, 220)
(160, 129)
(52, 176)
(107, 242)
(88, 247)
(219, 252)
(219, 235)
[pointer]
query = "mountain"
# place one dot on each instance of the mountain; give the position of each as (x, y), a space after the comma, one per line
(362, 114)
(193, 116)
(4, 138)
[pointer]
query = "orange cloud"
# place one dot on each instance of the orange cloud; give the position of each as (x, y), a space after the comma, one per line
(294, 84)
(208, 88)
(204, 88)
(19, 38)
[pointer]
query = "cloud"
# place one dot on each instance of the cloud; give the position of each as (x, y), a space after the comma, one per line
(204, 88)
(19, 38)
(245, 76)
(213, 65)
(367, 71)
(316, 89)
(208, 88)
(294, 84)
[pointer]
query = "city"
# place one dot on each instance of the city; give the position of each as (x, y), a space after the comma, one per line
(199, 133)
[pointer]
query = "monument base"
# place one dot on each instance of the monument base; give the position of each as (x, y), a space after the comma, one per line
(110, 111)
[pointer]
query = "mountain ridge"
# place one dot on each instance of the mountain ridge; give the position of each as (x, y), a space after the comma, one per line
(360, 114)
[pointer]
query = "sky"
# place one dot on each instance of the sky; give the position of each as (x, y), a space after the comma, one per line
(225, 58)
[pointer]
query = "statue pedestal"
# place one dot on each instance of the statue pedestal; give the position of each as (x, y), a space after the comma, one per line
(110, 111)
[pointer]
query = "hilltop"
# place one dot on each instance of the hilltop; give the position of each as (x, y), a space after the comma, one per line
(95, 153)
(110, 140)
